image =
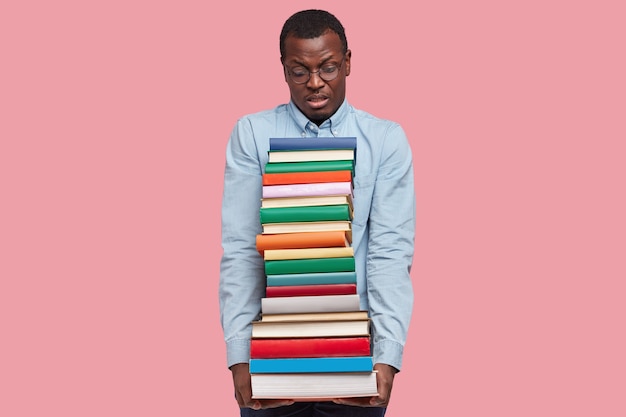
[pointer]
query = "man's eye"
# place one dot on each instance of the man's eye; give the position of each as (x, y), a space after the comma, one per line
(299, 72)
(329, 69)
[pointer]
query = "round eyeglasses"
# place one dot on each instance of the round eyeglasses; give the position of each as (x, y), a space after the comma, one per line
(327, 72)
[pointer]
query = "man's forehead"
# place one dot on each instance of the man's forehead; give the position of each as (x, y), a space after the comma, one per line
(326, 45)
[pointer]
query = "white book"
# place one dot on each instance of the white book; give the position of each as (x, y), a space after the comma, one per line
(310, 304)
(327, 328)
(311, 155)
(319, 200)
(308, 253)
(314, 386)
(297, 227)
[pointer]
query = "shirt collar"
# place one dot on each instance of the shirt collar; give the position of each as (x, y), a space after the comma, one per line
(333, 123)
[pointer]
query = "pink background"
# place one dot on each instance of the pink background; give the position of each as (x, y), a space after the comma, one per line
(113, 122)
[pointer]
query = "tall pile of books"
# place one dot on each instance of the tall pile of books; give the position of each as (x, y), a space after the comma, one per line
(312, 341)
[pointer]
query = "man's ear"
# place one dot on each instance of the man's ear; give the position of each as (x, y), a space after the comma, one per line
(347, 64)
(282, 64)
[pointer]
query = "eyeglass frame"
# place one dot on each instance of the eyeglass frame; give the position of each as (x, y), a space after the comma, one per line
(318, 72)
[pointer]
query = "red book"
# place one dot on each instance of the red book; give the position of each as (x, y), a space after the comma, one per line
(309, 290)
(309, 347)
(282, 178)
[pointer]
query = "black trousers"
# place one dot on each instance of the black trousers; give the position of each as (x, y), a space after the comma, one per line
(315, 409)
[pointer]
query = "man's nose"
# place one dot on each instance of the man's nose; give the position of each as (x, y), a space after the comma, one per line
(315, 81)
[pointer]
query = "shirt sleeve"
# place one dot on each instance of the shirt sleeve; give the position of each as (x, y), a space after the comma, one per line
(241, 269)
(391, 245)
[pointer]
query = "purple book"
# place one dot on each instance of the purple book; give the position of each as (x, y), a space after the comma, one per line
(312, 189)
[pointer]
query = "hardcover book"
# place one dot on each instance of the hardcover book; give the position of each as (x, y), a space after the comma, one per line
(311, 155)
(278, 144)
(305, 214)
(310, 304)
(308, 253)
(314, 387)
(309, 290)
(305, 190)
(315, 200)
(321, 328)
(301, 240)
(306, 177)
(302, 266)
(314, 278)
(309, 166)
(332, 316)
(309, 347)
(297, 227)
(311, 365)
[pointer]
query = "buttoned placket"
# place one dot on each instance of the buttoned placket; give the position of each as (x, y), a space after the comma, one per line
(323, 131)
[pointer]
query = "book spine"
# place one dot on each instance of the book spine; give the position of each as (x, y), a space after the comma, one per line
(310, 304)
(312, 143)
(305, 214)
(311, 155)
(309, 166)
(308, 290)
(306, 177)
(305, 227)
(314, 387)
(301, 266)
(308, 253)
(308, 317)
(304, 190)
(309, 347)
(301, 240)
(312, 278)
(317, 365)
(319, 200)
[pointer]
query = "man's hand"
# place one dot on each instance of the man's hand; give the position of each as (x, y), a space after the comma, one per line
(384, 379)
(243, 390)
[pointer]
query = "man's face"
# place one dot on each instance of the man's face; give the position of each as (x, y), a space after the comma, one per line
(316, 98)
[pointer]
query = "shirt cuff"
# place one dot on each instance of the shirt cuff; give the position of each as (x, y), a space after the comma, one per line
(237, 351)
(388, 352)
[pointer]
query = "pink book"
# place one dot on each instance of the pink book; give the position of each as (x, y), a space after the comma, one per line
(301, 190)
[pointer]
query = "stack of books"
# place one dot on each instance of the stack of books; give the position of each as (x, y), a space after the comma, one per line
(312, 341)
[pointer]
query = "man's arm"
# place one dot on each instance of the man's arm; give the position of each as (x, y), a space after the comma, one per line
(241, 269)
(242, 275)
(390, 251)
(390, 255)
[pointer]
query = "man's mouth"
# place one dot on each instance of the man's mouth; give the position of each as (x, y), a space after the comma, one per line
(317, 101)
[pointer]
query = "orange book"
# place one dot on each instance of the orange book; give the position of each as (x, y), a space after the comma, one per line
(302, 240)
(285, 178)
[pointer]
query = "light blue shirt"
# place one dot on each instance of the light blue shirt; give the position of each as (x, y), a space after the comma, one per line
(383, 227)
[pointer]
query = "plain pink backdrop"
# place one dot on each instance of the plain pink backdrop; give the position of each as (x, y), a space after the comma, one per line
(113, 123)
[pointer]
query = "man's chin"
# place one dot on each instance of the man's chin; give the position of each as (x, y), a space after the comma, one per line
(317, 117)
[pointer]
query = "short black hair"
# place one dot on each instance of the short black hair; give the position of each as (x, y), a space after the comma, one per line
(309, 24)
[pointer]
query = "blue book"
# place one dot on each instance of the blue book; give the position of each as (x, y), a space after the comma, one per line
(311, 279)
(292, 144)
(311, 365)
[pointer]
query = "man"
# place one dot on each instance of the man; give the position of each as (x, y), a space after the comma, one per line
(316, 61)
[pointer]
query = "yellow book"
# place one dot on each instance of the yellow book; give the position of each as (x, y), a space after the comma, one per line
(308, 253)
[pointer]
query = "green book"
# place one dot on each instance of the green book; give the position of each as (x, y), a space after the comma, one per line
(318, 278)
(309, 166)
(305, 266)
(305, 214)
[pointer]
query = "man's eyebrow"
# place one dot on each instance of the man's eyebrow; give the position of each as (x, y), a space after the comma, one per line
(322, 62)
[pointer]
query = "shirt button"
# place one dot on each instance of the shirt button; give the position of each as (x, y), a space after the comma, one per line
(303, 134)
(335, 132)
